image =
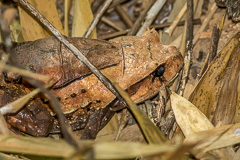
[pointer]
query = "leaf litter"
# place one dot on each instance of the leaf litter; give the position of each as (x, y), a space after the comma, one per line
(197, 138)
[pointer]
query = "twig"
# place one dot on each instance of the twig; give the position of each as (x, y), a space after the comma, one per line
(156, 26)
(114, 4)
(110, 23)
(113, 35)
(189, 46)
(97, 18)
(214, 43)
(124, 16)
(151, 15)
(177, 19)
(140, 19)
(205, 23)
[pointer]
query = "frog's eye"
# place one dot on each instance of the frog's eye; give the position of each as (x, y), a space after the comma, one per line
(159, 71)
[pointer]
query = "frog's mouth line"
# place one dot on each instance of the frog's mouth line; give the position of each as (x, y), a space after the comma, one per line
(68, 82)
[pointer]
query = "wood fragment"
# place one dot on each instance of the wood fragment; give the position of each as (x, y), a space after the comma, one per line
(177, 19)
(151, 15)
(156, 26)
(205, 23)
(138, 22)
(97, 18)
(214, 43)
(189, 46)
(124, 16)
(110, 23)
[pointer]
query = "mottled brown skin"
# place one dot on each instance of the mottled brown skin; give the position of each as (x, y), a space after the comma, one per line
(127, 60)
(50, 57)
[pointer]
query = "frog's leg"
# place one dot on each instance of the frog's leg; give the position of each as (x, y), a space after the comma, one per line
(97, 120)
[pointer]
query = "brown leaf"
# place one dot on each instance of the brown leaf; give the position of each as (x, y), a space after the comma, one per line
(217, 94)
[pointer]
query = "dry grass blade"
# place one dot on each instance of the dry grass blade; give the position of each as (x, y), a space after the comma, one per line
(205, 23)
(24, 72)
(152, 134)
(59, 148)
(3, 126)
(35, 146)
(216, 138)
(15, 106)
(177, 19)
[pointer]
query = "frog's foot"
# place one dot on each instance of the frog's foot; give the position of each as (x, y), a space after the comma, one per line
(33, 119)
(97, 120)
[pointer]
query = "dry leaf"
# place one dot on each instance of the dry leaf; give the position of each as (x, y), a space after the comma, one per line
(32, 29)
(189, 118)
(217, 94)
(216, 138)
(82, 19)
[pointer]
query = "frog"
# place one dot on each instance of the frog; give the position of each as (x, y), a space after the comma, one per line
(139, 64)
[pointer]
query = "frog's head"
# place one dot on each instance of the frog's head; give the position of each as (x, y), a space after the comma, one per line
(168, 60)
(145, 55)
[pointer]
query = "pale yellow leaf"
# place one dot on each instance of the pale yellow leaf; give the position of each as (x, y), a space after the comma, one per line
(82, 18)
(189, 118)
(216, 138)
(32, 29)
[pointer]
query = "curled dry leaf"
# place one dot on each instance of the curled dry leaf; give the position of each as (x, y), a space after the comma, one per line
(189, 118)
(217, 94)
